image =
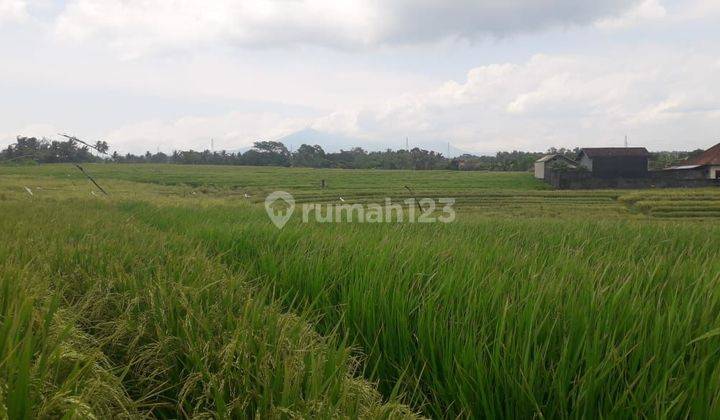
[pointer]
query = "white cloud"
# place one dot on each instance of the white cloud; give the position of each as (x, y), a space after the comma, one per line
(138, 27)
(38, 130)
(700, 9)
(663, 99)
(591, 86)
(13, 10)
(229, 131)
(337, 122)
(648, 10)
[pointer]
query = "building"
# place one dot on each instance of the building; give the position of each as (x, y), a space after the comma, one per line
(615, 162)
(549, 161)
(626, 167)
(707, 165)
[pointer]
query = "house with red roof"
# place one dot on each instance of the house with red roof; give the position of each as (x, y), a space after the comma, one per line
(707, 163)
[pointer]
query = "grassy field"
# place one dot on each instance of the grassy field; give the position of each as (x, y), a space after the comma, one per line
(175, 296)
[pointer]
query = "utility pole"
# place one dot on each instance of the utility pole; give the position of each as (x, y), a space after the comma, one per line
(407, 144)
(212, 145)
(626, 141)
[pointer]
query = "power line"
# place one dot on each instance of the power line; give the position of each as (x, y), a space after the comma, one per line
(73, 138)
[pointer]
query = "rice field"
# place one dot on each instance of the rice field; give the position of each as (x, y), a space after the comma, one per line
(175, 296)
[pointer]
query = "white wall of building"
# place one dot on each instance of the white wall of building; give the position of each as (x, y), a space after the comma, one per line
(714, 172)
(586, 162)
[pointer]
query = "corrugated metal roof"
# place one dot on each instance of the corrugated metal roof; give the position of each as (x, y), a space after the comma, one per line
(710, 157)
(683, 167)
(548, 158)
(593, 152)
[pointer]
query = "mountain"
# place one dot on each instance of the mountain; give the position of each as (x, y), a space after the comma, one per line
(336, 142)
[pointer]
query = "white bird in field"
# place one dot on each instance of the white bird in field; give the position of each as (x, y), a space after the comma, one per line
(342, 199)
(29, 191)
(93, 193)
(246, 195)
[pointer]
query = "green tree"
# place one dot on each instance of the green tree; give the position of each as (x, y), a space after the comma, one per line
(310, 156)
(267, 153)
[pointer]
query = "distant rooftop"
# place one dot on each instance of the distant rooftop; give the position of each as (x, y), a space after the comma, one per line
(683, 167)
(709, 157)
(547, 158)
(593, 152)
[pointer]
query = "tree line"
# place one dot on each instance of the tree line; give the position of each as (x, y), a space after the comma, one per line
(31, 149)
(274, 153)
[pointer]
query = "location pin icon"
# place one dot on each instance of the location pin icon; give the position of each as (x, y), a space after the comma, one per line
(279, 216)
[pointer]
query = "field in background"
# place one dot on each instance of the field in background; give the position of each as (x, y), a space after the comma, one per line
(488, 193)
(176, 296)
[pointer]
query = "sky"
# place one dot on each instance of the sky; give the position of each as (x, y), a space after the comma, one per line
(484, 75)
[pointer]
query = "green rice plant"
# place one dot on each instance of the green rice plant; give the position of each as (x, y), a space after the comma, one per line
(152, 326)
(48, 367)
(183, 300)
(497, 318)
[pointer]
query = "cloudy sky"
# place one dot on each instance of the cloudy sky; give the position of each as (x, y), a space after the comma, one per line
(485, 75)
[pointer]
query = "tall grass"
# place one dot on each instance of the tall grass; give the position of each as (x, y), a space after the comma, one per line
(499, 318)
(48, 367)
(295, 180)
(163, 303)
(102, 318)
